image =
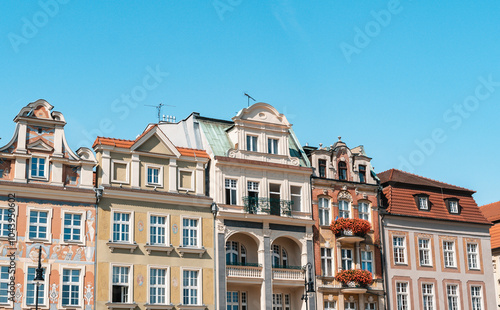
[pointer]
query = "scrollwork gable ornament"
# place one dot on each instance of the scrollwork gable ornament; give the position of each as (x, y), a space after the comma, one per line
(344, 195)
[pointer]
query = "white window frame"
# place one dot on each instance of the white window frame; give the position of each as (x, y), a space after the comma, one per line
(455, 295)
(167, 283)
(9, 303)
(198, 235)
(199, 286)
(371, 306)
(46, 277)
(130, 281)
(322, 211)
(327, 260)
(449, 254)
(49, 225)
(127, 171)
(397, 248)
(131, 226)
(348, 304)
(179, 179)
(4, 224)
(428, 296)
(424, 251)
(364, 259)
(228, 185)
(474, 296)
(329, 305)
(367, 213)
(426, 205)
(341, 211)
(300, 187)
(160, 175)
(347, 259)
(80, 284)
(83, 215)
(45, 168)
(473, 255)
(273, 148)
(167, 228)
(453, 206)
(254, 145)
(405, 294)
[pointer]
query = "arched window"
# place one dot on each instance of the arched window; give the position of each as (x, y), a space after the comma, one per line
(344, 210)
(324, 211)
(280, 257)
(236, 254)
(364, 211)
(243, 256)
(276, 256)
(342, 170)
(284, 258)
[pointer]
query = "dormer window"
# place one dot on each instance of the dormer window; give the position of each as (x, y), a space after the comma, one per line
(322, 168)
(38, 167)
(452, 205)
(252, 143)
(422, 201)
(342, 170)
(272, 146)
(362, 173)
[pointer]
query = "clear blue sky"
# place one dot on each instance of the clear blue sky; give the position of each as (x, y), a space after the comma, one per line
(385, 74)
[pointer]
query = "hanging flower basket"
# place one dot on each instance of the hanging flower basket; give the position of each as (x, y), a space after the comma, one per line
(354, 277)
(350, 227)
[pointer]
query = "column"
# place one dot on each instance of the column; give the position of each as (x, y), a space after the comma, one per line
(339, 256)
(21, 138)
(310, 258)
(58, 138)
(268, 271)
(106, 168)
(200, 180)
(357, 257)
(340, 304)
(135, 171)
(221, 266)
(172, 178)
(362, 302)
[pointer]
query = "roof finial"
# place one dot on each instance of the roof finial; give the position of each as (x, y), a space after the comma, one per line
(320, 146)
(340, 138)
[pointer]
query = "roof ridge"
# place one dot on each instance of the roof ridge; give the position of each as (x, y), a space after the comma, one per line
(425, 178)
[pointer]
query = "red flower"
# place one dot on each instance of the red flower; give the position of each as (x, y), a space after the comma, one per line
(357, 226)
(362, 277)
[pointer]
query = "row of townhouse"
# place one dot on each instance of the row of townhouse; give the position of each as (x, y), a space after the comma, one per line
(229, 214)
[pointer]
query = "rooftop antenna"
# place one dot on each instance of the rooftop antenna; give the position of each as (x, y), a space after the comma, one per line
(158, 108)
(248, 97)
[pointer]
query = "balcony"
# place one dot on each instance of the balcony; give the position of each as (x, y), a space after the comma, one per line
(350, 230)
(263, 205)
(354, 281)
(288, 275)
(244, 273)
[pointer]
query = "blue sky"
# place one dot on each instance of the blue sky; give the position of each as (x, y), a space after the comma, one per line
(418, 84)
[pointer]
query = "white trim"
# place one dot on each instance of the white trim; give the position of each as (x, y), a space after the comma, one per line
(82, 226)
(46, 168)
(9, 303)
(167, 284)
(131, 226)
(49, 224)
(199, 229)
(46, 285)
(82, 275)
(301, 187)
(200, 285)
(167, 228)
(130, 281)
(407, 293)
(179, 170)
(405, 250)
(127, 173)
(160, 175)
(15, 214)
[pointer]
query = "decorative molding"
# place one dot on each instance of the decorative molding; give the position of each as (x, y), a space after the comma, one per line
(345, 195)
(182, 250)
(159, 248)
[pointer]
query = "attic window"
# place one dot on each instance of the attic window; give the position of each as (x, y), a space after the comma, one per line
(342, 170)
(39, 130)
(452, 205)
(422, 201)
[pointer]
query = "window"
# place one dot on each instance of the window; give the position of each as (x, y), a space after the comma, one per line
(424, 252)
(370, 306)
(157, 286)
(39, 224)
(330, 305)
(37, 167)
(428, 296)
(272, 146)
(236, 253)
(296, 195)
(4, 285)
(453, 205)
(119, 171)
(472, 255)
(402, 295)
(154, 175)
(346, 259)
(449, 253)
(423, 202)
(275, 198)
(253, 196)
(399, 249)
(322, 168)
(122, 223)
(71, 287)
(190, 232)
(280, 257)
(31, 287)
(364, 211)
(252, 143)
(121, 288)
(281, 302)
(236, 300)
(326, 262)
(73, 227)
(362, 173)
(190, 287)
(476, 297)
(344, 209)
(5, 215)
(349, 305)
(452, 295)
(367, 261)
(324, 211)
(158, 230)
(230, 191)
(342, 170)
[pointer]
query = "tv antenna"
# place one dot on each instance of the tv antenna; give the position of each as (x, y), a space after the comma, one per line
(158, 107)
(248, 97)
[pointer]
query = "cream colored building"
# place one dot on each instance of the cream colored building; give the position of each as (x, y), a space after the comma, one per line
(155, 243)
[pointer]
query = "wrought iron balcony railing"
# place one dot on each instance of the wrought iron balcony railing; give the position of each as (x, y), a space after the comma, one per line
(273, 206)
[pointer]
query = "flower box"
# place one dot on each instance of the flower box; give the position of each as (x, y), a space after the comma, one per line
(354, 277)
(350, 227)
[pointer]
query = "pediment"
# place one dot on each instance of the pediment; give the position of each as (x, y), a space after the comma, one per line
(40, 145)
(155, 141)
(262, 112)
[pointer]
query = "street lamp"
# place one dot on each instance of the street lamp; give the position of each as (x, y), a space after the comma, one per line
(38, 276)
(214, 208)
(308, 283)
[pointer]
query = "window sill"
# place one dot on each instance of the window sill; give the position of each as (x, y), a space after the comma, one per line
(120, 305)
(44, 241)
(182, 250)
(159, 248)
(72, 243)
(159, 306)
(118, 245)
(191, 307)
(154, 185)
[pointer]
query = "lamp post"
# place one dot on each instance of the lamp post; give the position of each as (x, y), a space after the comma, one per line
(214, 208)
(38, 276)
(308, 283)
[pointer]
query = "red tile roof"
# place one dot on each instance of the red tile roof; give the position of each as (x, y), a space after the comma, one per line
(400, 198)
(491, 211)
(398, 176)
(495, 236)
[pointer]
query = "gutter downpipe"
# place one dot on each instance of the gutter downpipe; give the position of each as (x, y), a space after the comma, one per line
(98, 194)
(382, 213)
